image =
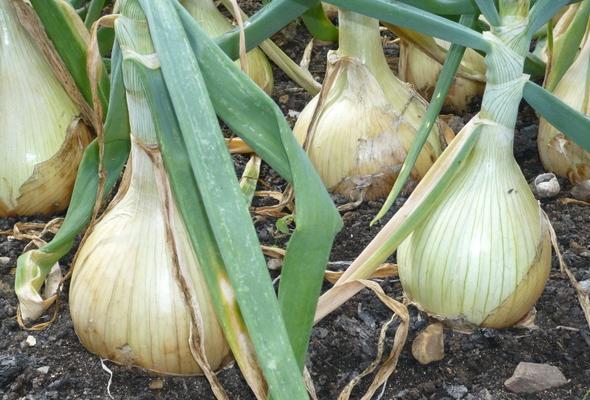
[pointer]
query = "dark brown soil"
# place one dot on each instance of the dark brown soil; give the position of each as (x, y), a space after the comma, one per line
(475, 366)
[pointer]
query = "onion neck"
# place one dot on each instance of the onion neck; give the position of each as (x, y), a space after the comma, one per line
(504, 75)
(359, 37)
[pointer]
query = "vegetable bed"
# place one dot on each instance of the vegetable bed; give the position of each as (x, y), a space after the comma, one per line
(51, 363)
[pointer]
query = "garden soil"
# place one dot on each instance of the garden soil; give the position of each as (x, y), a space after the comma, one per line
(475, 365)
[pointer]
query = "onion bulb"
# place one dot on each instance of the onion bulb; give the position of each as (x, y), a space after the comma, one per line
(358, 130)
(420, 63)
(214, 23)
(483, 253)
(558, 154)
(41, 137)
(126, 300)
(138, 295)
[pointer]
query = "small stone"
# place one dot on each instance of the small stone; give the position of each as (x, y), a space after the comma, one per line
(274, 264)
(284, 99)
(43, 370)
(4, 261)
(31, 341)
(546, 185)
(457, 392)
(429, 346)
(293, 114)
(533, 378)
(156, 384)
(582, 191)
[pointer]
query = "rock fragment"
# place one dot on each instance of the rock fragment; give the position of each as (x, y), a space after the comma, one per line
(533, 378)
(43, 370)
(428, 346)
(156, 384)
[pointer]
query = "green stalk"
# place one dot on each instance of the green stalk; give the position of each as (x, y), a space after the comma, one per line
(266, 22)
(94, 11)
(70, 38)
(413, 18)
(319, 25)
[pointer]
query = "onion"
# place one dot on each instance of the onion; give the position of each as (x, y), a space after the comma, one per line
(483, 254)
(138, 295)
(41, 137)
(358, 130)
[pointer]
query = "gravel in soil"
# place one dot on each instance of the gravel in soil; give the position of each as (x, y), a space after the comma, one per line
(344, 343)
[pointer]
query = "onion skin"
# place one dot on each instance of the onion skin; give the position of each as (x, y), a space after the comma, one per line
(41, 137)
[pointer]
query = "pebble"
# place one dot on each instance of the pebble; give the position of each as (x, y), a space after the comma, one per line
(429, 346)
(585, 285)
(43, 370)
(4, 261)
(457, 392)
(546, 185)
(156, 384)
(31, 341)
(533, 378)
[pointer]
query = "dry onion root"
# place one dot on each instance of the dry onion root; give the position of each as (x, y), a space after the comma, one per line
(41, 137)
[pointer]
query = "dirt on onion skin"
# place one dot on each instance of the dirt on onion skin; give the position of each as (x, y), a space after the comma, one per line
(344, 343)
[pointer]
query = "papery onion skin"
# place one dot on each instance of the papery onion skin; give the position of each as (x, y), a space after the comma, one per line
(41, 138)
